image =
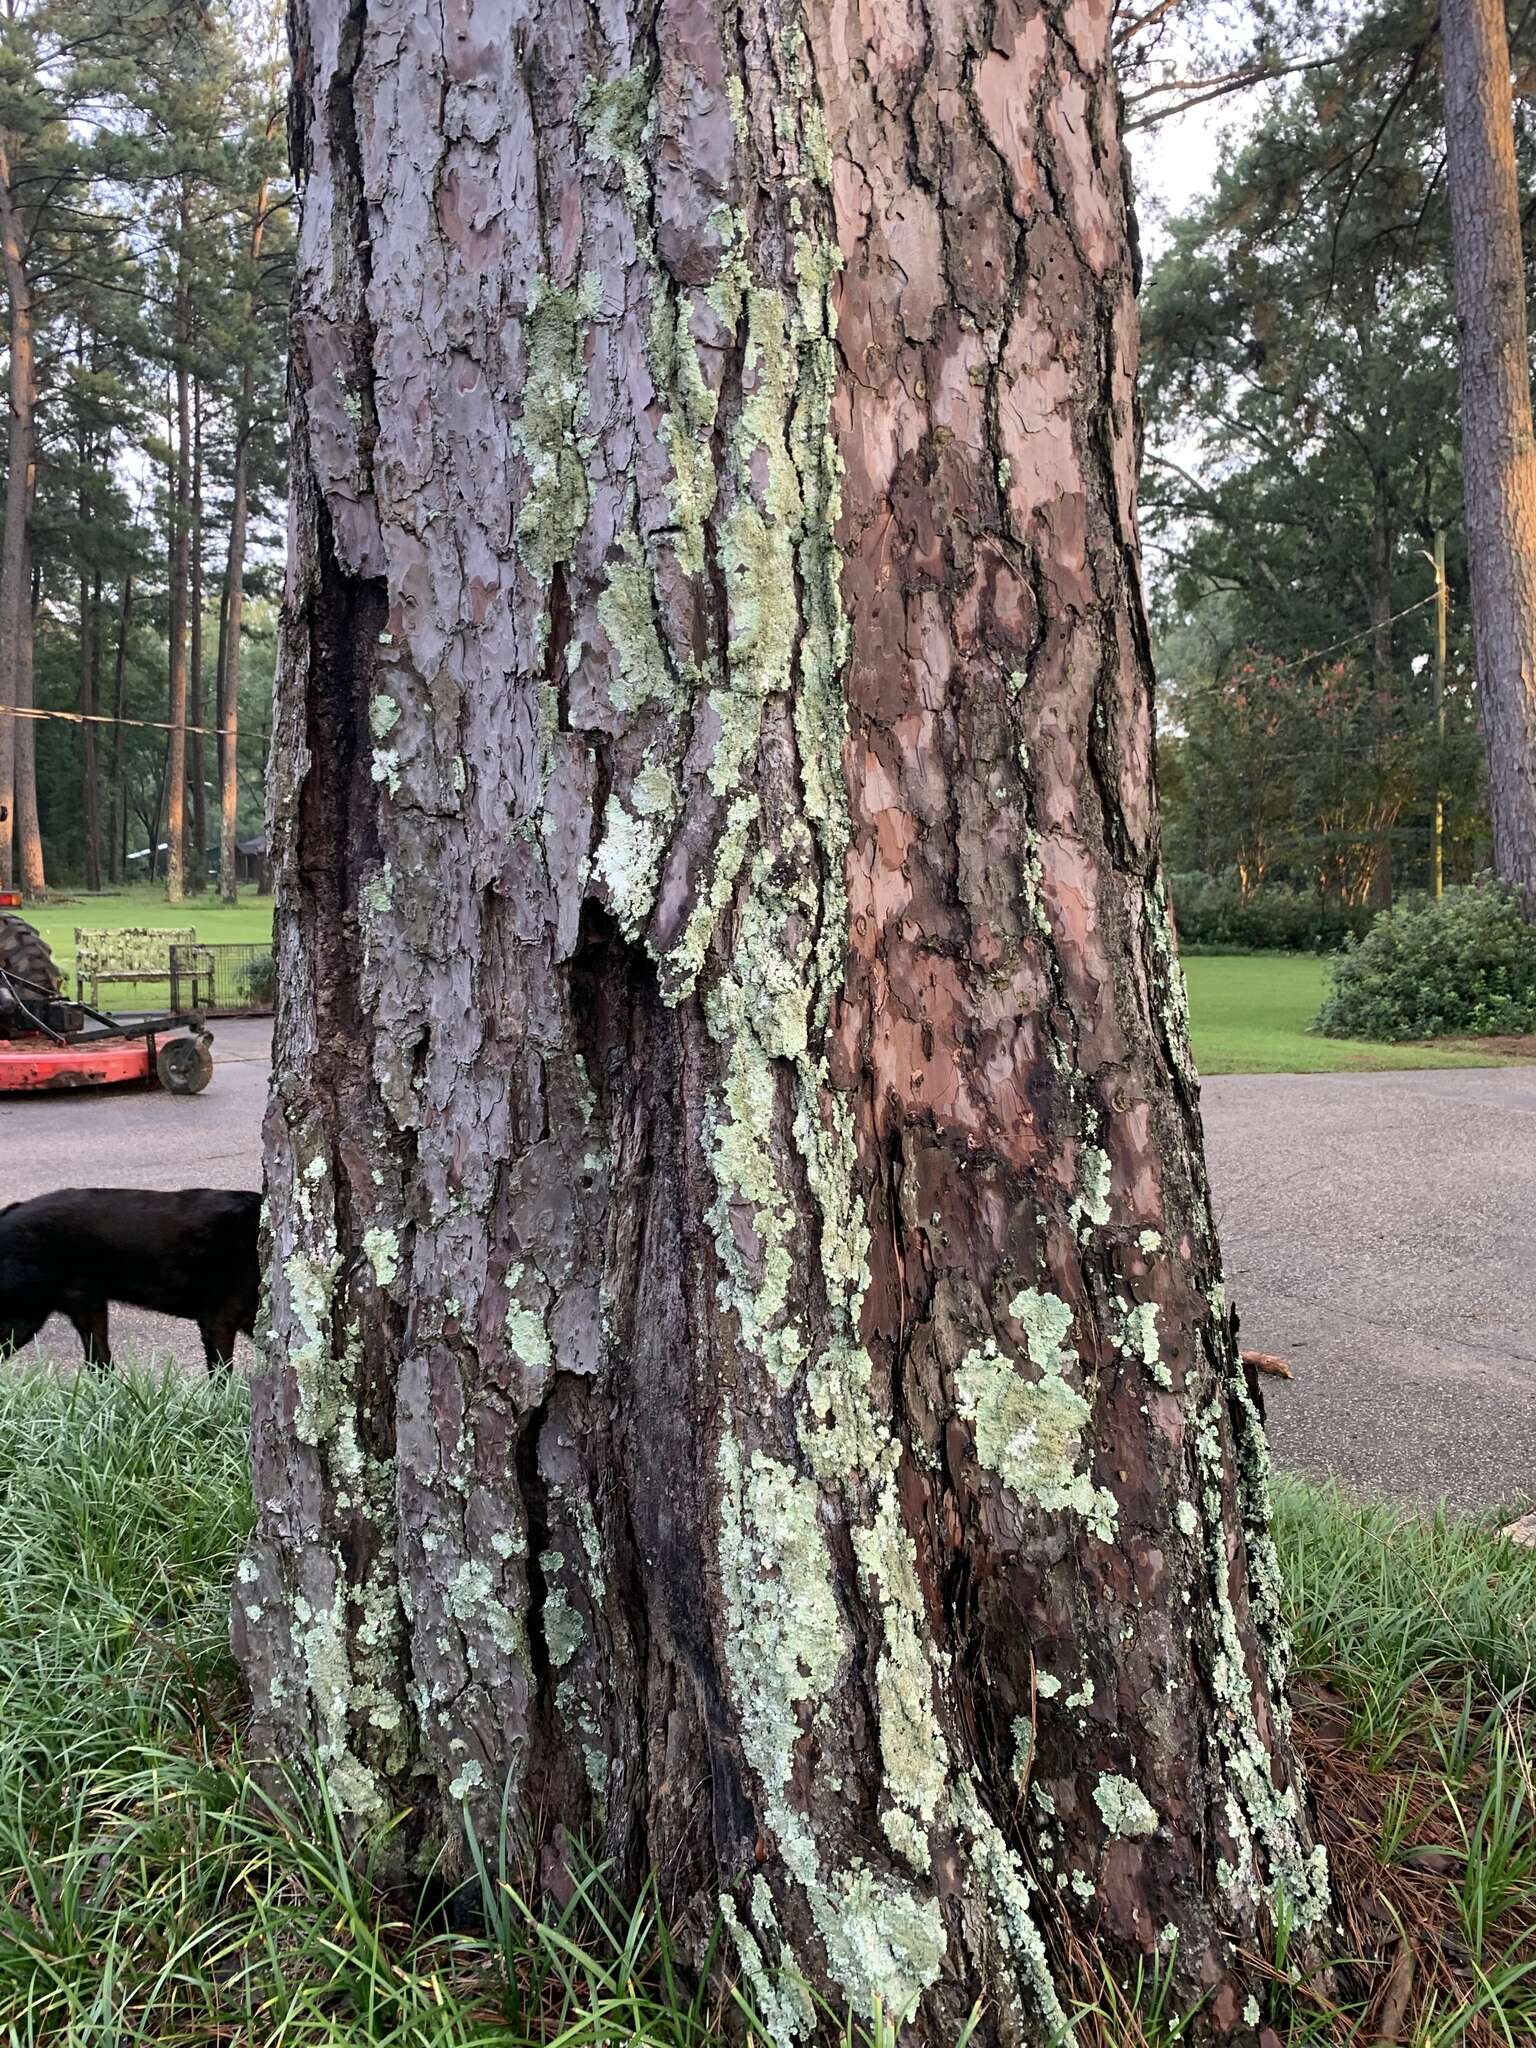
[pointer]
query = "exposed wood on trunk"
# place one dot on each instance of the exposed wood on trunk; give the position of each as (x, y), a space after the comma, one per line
(1498, 449)
(749, 1379)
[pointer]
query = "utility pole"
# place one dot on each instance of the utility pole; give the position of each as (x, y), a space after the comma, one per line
(1437, 829)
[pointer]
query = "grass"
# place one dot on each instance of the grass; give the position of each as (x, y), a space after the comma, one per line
(249, 922)
(1250, 1012)
(151, 1890)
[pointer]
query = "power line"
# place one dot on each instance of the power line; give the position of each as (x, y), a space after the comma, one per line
(106, 718)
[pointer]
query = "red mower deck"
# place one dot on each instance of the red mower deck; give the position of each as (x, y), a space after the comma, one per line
(36, 1066)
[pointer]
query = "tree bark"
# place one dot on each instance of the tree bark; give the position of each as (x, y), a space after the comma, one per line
(117, 813)
(748, 1378)
(197, 856)
(1498, 449)
(234, 603)
(90, 785)
(19, 844)
(181, 534)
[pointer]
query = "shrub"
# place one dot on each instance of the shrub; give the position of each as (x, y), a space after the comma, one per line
(1465, 965)
(259, 977)
(1213, 913)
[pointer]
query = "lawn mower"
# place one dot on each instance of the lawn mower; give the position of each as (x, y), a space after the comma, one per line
(47, 1041)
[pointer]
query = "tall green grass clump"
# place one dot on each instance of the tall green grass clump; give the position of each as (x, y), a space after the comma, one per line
(152, 1889)
(156, 1892)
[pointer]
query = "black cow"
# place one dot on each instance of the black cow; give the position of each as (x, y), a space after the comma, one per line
(192, 1253)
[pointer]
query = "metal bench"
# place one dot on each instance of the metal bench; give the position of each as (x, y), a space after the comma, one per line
(138, 954)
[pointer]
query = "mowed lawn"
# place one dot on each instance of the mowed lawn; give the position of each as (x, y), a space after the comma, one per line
(1250, 1012)
(248, 923)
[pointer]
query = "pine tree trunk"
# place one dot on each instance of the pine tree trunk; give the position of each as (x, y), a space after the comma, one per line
(229, 662)
(117, 813)
(197, 855)
(181, 535)
(1498, 449)
(748, 1377)
(234, 591)
(15, 551)
(90, 785)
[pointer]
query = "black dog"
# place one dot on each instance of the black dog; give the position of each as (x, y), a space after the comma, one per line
(187, 1254)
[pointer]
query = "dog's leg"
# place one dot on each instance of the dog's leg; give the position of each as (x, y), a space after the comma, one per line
(91, 1326)
(218, 1333)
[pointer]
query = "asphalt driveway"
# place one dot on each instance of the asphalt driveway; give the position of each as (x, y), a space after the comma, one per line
(1379, 1229)
(1380, 1233)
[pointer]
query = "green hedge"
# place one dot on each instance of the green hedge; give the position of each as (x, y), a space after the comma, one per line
(1212, 912)
(1464, 966)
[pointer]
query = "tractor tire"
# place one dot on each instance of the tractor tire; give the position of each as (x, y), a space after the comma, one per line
(23, 951)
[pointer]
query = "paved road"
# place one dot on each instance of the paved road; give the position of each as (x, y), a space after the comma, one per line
(142, 1138)
(1380, 1232)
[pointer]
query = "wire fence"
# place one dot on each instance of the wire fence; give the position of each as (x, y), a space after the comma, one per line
(223, 980)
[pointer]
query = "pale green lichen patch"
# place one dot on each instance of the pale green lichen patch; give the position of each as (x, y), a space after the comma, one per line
(1023, 1750)
(554, 506)
(613, 114)
(779, 1992)
(1046, 1321)
(757, 546)
(626, 612)
(1124, 1808)
(787, 1633)
(311, 1290)
(911, 1745)
(628, 859)
(383, 715)
(1138, 1337)
(381, 1248)
(1092, 1203)
(564, 1631)
(1030, 1433)
(527, 1335)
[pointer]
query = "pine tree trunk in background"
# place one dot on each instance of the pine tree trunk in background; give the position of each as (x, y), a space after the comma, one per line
(234, 596)
(229, 662)
(197, 856)
(29, 827)
(748, 1379)
(1498, 449)
(90, 786)
(181, 535)
(117, 812)
(15, 570)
